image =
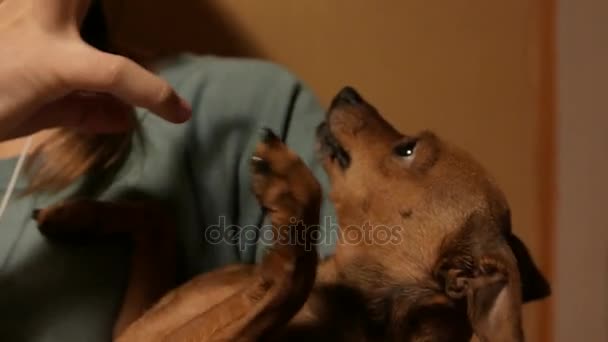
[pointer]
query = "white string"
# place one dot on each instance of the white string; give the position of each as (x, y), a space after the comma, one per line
(11, 184)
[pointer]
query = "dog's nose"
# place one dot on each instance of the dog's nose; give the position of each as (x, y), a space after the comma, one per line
(348, 95)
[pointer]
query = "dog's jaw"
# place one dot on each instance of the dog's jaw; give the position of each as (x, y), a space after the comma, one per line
(330, 149)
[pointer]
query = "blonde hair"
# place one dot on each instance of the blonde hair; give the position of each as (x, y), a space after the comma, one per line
(69, 155)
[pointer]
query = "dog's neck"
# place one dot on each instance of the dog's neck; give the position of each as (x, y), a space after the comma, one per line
(391, 309)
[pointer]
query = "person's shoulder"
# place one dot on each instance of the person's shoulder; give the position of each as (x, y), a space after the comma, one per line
(224, 69)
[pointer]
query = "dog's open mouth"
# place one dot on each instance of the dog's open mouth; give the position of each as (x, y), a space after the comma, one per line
(329, 147)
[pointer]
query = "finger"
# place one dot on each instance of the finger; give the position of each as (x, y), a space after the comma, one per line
(89, 113)
(123, 78)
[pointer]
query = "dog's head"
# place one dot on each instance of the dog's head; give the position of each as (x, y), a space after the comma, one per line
(414, 209)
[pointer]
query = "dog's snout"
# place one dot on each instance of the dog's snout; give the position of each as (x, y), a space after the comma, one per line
(348, 95)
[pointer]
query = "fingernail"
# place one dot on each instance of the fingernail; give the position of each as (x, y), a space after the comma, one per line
(185, 110)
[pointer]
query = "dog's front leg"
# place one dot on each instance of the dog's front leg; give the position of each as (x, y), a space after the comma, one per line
(286, 188)
(150, 229)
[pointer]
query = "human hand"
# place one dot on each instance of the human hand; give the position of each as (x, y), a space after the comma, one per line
(50, 77)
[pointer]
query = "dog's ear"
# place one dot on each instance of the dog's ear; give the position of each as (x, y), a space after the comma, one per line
(533, 284)
(479, 268)
(494, 299)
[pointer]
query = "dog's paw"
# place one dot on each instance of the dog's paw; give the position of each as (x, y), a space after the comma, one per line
(282, 183)
(70, 221)
(73, 221)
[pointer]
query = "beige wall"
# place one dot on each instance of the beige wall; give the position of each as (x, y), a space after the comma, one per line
(582, 240)
(467, 69)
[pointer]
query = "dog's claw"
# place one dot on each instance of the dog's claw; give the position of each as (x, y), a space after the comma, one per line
(268, 136)
(259, 165)
(36, 214)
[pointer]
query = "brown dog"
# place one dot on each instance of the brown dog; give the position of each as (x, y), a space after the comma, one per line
(425, 250)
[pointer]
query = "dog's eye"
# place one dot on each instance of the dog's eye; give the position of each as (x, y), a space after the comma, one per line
(406, 149)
